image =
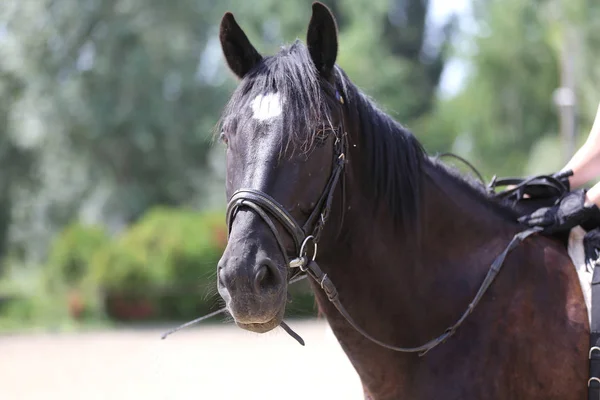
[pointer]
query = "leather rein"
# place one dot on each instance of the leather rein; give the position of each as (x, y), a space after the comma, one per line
(266, 207)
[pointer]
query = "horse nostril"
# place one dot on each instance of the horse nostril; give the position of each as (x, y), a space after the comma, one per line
(267, 276)
(220, 278)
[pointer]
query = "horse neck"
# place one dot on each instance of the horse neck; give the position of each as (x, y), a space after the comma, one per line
(424, 280)
(457, 216)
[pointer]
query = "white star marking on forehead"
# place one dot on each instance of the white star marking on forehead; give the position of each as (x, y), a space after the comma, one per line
(266, 107)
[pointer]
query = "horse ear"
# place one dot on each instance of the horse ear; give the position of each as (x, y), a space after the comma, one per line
(239, 53)
(321, 38)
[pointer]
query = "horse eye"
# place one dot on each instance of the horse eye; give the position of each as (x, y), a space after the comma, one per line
(223, 138)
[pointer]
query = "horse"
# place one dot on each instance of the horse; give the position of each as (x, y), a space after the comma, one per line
(321, 181)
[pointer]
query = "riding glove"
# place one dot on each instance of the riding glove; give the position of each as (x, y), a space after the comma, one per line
(567, 213)
(563, 177)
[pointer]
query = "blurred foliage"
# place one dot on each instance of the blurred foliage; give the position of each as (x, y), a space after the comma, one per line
(30, 298)
(72, 251)
(507, 104)
(166, 247)
(506, 108)
(17, 162)
(120, 97)
(166, 260)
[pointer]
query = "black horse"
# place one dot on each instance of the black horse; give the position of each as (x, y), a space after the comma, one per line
(407, 242)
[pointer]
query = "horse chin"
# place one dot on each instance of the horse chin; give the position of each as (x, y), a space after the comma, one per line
(262, 327)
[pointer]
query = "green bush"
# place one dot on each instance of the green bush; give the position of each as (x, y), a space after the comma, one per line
(166, 247)
(67, 275)
(72, 251)
(166, 261)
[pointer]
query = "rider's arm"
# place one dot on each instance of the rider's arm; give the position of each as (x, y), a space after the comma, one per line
(585, 164)
(593, 195)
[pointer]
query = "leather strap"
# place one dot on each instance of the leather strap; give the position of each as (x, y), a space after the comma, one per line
(330, 290)
(594, 352)
(258, 200)
(525, 185)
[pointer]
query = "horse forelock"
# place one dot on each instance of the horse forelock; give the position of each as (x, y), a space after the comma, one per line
(288, 86)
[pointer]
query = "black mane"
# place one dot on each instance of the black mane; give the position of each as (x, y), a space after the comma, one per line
(395, 162)
(392, 171)
(292, 74)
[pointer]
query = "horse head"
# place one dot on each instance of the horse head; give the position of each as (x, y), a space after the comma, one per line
(283, 129)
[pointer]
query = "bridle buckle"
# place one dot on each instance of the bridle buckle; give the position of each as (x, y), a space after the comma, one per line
(303, 247)
(298, 262)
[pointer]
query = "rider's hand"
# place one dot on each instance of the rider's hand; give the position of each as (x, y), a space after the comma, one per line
(568, 212)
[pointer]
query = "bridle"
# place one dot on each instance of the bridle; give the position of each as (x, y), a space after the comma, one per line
(266, 207)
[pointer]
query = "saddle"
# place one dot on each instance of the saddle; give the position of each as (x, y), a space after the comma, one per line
(526, 195)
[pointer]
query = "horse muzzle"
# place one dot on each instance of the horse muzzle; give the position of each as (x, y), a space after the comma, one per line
(254, 290)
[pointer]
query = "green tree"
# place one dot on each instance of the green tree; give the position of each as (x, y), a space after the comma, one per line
(17, 160)
(126, 94)
(505, 117)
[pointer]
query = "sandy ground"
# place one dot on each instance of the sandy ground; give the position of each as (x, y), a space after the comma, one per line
(206, 362)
